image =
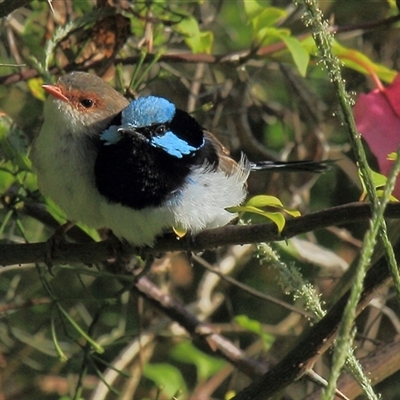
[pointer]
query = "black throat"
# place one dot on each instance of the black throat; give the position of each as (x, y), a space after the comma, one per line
(134, 173)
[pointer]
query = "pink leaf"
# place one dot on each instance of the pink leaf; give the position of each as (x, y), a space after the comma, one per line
(377, 116)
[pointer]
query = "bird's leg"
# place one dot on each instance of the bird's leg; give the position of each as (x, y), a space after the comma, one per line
(117, 244)
(121, 252)
(56, 238)
(123, 260)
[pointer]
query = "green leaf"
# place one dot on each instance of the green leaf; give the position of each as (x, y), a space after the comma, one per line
(206, 365)
(198, 42)
(293, 213)
(354, 59)
(93, 233)
(61, 355)
(267, 18)
(166, 377)
(255, 204)
(35, 86)
(264, 201)
(300, 56)
(6, 177)
(270, 201)
(206, 42)
(256, 327)
(253, 8)
(95, 346)
(230, 394)
(379, 182)
(277, 218)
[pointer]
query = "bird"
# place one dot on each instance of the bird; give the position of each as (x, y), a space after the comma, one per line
(79, 107)
(139, 168)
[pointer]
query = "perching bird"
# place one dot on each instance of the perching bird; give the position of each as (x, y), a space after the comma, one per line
(138, 168)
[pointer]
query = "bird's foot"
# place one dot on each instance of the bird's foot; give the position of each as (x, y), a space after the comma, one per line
(124, 261)
(121, 251)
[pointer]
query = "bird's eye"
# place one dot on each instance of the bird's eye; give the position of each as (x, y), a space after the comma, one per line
(87, 103)
(161, 129)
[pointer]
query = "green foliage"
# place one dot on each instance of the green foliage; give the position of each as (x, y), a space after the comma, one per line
(13, 145)
(257, 203)
(167, 377)
(240, 68)
(263, 21)
(379, 182)
(256, 327)
(197, 41)
(353, 59)
(300, 57)
(206, 365)
(253, 8)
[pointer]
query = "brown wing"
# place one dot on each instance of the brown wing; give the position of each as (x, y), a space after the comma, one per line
(226, 163)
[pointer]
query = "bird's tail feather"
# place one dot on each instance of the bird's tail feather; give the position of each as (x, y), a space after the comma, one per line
(293, 166)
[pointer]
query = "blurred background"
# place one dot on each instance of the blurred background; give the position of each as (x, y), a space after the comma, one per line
(247, 71)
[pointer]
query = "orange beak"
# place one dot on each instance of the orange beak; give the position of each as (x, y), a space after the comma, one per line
(55, 91)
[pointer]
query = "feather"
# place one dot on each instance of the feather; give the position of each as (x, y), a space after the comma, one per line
(147, 111)
(293, 166)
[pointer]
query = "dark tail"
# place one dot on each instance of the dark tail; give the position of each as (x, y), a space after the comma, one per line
(292, 166)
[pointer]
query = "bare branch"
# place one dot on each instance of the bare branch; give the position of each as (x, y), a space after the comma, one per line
(177, 312)
(91, 253)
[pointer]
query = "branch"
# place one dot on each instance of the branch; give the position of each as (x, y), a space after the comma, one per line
(229, 58)
(303, 356)
(233, 58)
(381, 363)
(320, 337)
(218, 343)
(91, 253)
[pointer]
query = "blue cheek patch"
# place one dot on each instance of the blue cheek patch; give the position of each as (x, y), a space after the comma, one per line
(110, 135)
(173, 145)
